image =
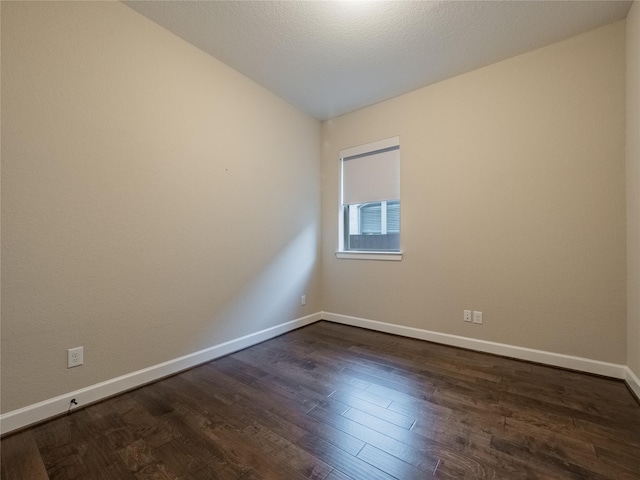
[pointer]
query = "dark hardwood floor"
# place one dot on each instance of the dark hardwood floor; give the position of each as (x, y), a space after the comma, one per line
(334, 402)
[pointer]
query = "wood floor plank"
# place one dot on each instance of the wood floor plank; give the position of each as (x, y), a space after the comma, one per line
(58, 447)
(420, 455)
(541, 460)
(396, 418)
(253, 451)
(573, 450)
(144, 425)
(156, 471)
(180, 460)
(21, 459)
(137, 455)
(332, 402)
(283, 386)
(191, 430)
(630, 433)
(268, 399)
(300, 460)
(479, 461)
(344, 462)
(100, 457)
(360, 394)
(393, 465)
(414, 389)
(372, 421)
(621, 463)
(338, 475)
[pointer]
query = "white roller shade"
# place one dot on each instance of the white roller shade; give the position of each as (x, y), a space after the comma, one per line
(371, 177)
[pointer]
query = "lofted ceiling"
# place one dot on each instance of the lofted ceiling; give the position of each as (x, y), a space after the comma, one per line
(332, 57)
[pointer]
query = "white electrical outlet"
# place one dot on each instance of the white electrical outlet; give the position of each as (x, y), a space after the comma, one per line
(303, 300)
(467, 315)
(477, 317)
(75, 357)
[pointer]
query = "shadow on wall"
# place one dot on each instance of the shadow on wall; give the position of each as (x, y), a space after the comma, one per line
(273, 296)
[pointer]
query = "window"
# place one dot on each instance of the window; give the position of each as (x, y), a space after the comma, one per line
(370, 198)
(374, 226)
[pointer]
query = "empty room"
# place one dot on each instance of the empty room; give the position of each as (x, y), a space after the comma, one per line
(326, 240)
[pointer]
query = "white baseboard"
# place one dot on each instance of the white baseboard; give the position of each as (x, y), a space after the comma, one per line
(633, 382)
(55, 406)
(539, 356)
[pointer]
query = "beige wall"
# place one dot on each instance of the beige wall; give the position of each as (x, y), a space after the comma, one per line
(147, 212)
(147, 194)
(633, 188)
(513, 203)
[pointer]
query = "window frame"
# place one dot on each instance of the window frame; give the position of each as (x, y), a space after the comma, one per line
(343, 215)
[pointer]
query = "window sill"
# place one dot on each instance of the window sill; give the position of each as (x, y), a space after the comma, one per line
(387, 256)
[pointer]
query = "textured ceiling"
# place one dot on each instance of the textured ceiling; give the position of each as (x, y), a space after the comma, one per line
(329, 58)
